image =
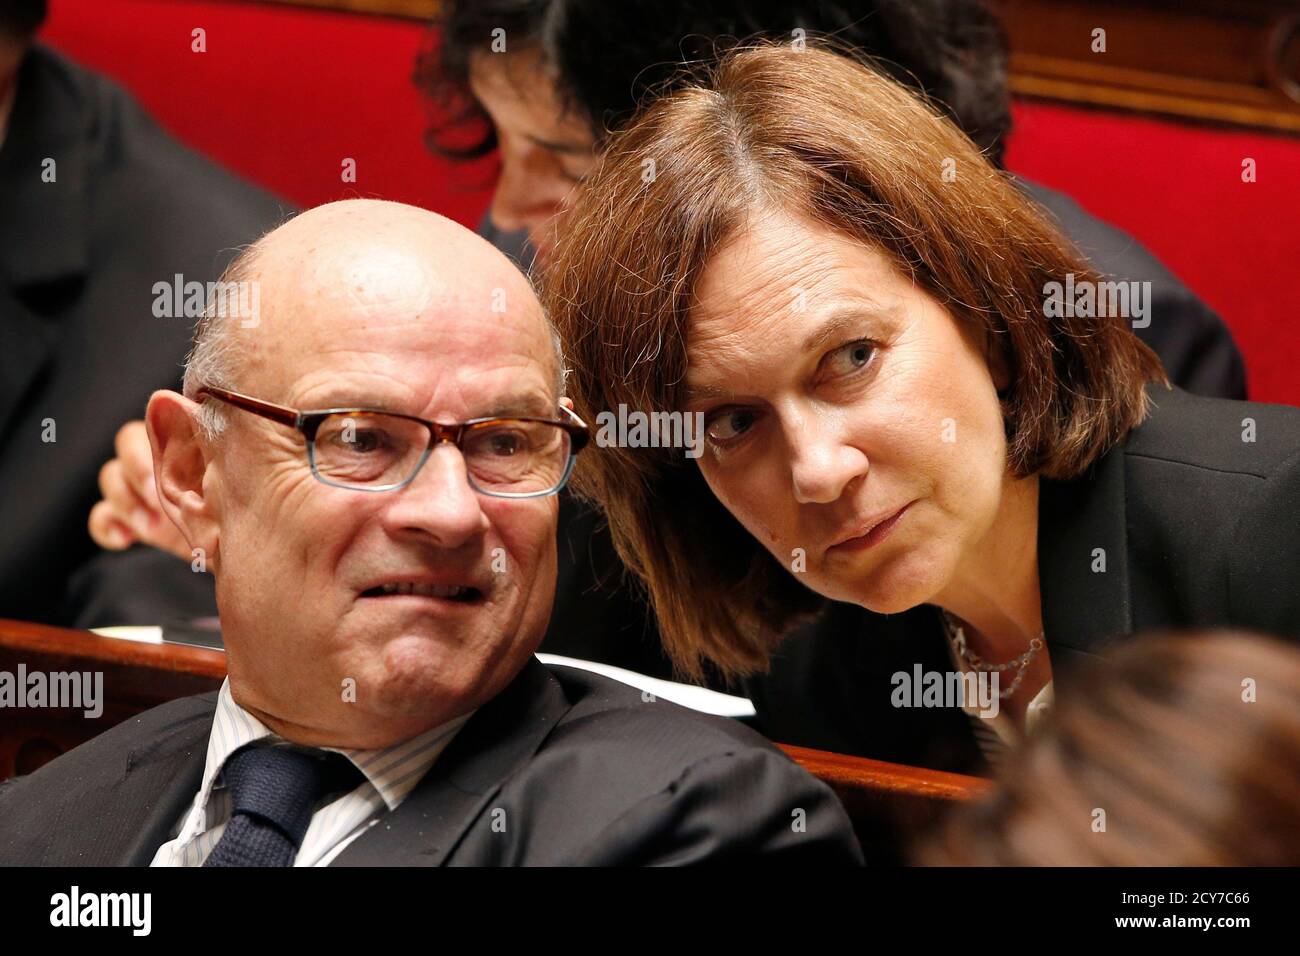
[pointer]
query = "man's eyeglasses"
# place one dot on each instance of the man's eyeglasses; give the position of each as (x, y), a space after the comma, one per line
(369, 449)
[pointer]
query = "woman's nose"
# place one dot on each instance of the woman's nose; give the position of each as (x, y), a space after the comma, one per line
(822, 464)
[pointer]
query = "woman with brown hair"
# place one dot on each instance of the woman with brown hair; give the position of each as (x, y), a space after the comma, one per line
(1180, 750)
(918, 401)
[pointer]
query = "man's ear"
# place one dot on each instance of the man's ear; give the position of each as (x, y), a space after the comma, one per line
(180, 461)
(567, 402)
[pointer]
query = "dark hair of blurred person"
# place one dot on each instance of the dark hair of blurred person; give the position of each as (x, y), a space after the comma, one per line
(608, 57)
(576, 70)
(21, 18)
(1178, 750)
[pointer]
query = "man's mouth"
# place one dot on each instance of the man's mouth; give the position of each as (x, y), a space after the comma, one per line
(447, 592)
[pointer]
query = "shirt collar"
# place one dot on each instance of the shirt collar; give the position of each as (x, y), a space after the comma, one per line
(393, 771)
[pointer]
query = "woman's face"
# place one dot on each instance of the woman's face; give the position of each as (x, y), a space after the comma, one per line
(840, 398)
(544, 152)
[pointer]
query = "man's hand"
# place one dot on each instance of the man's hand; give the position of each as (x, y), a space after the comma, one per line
(130, 511)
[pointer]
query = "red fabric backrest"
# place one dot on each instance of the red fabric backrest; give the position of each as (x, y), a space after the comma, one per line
(1178, 189)
(284, 94)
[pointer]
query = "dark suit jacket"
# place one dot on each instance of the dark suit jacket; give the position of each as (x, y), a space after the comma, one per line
(1199, 529)
(586, 771)
(1194, 345)
(79, 343)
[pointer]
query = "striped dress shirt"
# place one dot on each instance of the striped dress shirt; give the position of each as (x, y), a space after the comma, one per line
(390, 776)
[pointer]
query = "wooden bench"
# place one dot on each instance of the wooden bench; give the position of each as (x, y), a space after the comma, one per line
(887, 802)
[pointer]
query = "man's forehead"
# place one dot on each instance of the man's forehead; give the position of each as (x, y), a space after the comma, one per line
(369, 293)
(366, 251)
(392, 305)
(474, 352)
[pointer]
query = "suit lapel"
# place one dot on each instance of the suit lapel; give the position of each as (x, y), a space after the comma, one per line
(501, 736)
(138, 796)
(160, 781)
(1081, 524)
(28, 347)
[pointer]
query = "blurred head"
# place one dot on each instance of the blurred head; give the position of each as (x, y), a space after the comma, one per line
(545, 149)
(547, 81)
(1179, 750)
(19, 21)
(853, 298)
(364, 304)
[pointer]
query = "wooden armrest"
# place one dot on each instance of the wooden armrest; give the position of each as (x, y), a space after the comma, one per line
(84, 650)
(841, 771)
(136, 677)
(889, 804)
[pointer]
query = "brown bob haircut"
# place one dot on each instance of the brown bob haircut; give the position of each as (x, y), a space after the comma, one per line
(821, 135)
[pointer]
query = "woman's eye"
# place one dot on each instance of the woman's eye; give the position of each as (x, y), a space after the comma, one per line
(850, 358)
(728, 425)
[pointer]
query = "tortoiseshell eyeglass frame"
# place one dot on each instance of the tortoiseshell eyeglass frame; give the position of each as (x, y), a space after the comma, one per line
(308, 422)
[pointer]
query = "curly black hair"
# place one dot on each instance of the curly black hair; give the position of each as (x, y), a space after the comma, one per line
(608, 57)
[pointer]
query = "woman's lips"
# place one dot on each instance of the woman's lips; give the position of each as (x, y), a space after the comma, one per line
(873, 537)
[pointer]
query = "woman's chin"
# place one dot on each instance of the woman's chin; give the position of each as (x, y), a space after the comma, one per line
(894, 588)
(890, 603)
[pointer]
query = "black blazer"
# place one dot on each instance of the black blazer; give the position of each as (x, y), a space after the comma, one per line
(586, 770)
(79, 343)
(1199, 528)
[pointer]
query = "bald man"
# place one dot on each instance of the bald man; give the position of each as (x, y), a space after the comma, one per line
(366, 457)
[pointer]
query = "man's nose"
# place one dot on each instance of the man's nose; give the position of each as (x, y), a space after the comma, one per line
(523, 199)
(439, 503)
(822, 463)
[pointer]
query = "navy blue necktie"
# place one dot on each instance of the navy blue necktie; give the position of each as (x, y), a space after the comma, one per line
(274, 790)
